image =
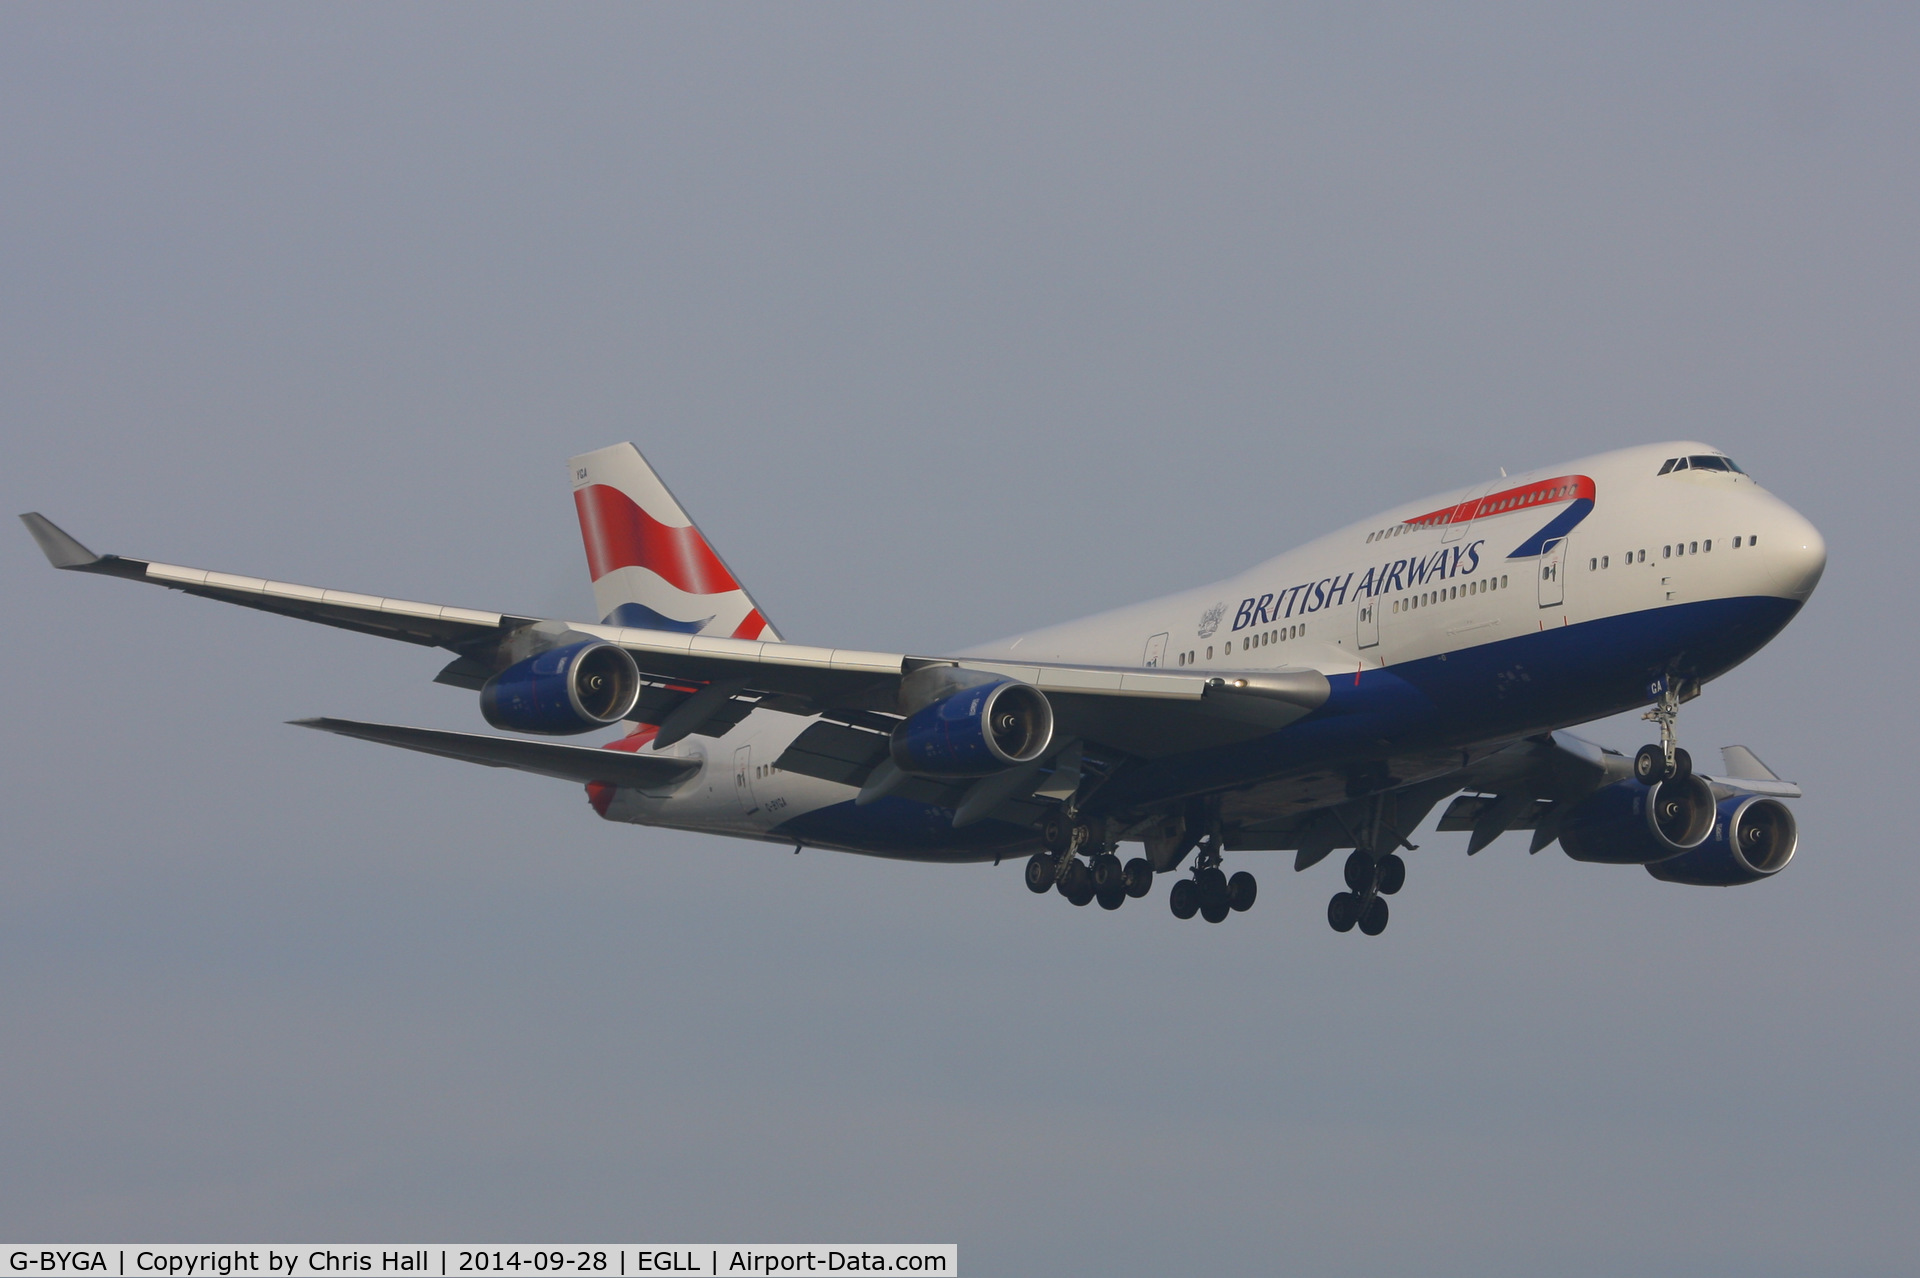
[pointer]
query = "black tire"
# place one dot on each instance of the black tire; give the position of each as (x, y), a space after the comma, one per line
(1374, 920)
(1650, 765)
(1076, 879)
(1139, 877)
(1056, 833)
(1393, 874)
(1111, 898)
(1184, 900)
(1081, 895)
(1241, 891)
(1682, 765)
(1213, 888)
(1214, 911)
(1359, 872)
(1041, 869)
(1107, 873)
(1343, 911)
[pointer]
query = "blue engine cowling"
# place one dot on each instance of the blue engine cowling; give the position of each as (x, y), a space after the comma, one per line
(577, 688)
(1628, 823)
(975, 732)
(1753, 838)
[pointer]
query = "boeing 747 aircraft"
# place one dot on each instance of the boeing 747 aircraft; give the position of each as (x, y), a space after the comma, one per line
(1329, 698)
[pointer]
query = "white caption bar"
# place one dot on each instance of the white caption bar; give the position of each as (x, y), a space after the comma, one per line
(576, 1260)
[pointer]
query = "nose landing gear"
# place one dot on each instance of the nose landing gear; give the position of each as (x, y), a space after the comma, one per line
(1665, 761)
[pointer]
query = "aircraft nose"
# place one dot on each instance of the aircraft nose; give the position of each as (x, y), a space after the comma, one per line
(1799, 556)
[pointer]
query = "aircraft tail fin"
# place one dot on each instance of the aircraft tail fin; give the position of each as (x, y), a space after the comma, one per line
(652, 569)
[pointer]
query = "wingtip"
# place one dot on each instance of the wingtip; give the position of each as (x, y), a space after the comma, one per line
(61, 550)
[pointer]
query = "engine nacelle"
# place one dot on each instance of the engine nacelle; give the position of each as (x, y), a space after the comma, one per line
(975, 732)
(577, 688)
(1628, 823)
(1752, 838)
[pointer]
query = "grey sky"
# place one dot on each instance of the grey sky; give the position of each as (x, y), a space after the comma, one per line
(943, 322)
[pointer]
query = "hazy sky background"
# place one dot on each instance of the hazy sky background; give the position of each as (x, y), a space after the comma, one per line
(943, 322)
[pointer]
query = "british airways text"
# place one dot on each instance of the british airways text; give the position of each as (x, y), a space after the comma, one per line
(1402, 574)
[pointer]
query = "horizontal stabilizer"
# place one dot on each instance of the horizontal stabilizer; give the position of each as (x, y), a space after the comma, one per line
(545, 758)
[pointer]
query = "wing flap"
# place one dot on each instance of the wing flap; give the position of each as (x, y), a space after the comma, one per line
(543, 758)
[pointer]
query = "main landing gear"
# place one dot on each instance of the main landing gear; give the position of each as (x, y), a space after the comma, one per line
(1210, 893)
(1665, 761)
(1101, 877)
(1369, 883)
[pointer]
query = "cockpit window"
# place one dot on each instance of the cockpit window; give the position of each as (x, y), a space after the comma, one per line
(1703, 461)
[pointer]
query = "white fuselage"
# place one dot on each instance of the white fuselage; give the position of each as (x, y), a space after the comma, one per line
(1377, 594)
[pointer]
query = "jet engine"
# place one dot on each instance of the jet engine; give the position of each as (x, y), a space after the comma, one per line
(1628, 823)
(976, 731)
(576, 688)
(1752, 838)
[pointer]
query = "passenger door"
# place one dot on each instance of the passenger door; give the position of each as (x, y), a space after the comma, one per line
(1552, 559)
(1369, 622)
(1156, 651)
(743, 779)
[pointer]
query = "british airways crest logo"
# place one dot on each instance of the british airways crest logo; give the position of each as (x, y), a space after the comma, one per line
(1210, 620)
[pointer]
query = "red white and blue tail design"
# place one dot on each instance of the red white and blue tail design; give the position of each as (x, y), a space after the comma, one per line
(651, 567)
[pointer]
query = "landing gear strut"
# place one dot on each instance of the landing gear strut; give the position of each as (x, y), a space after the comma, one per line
(1369, 882)
(1371, 876)
(1100, 877)
(1210, 893)
(1665, 761)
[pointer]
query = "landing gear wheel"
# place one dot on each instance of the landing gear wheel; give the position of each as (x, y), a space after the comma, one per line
(1374, 920)
(1041, 872)
(1343, 911)
(1393, 874)
(1107, 874)
(1184, 900)
(1056, 832)
(1213, 891)
(1214, 911)
(1682, 765)
(1077, 883)
(1139, 877)
(1360, 871)
(1241, 889)
(1650, 765)
(1111, 898)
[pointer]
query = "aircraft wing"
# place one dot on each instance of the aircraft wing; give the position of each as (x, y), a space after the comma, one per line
(1526, 785)
(545, 758)
(1143, 712)
(430, 624)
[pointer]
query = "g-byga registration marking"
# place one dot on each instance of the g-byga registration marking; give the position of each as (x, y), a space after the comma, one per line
(487, 1262)
(57, 1261)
